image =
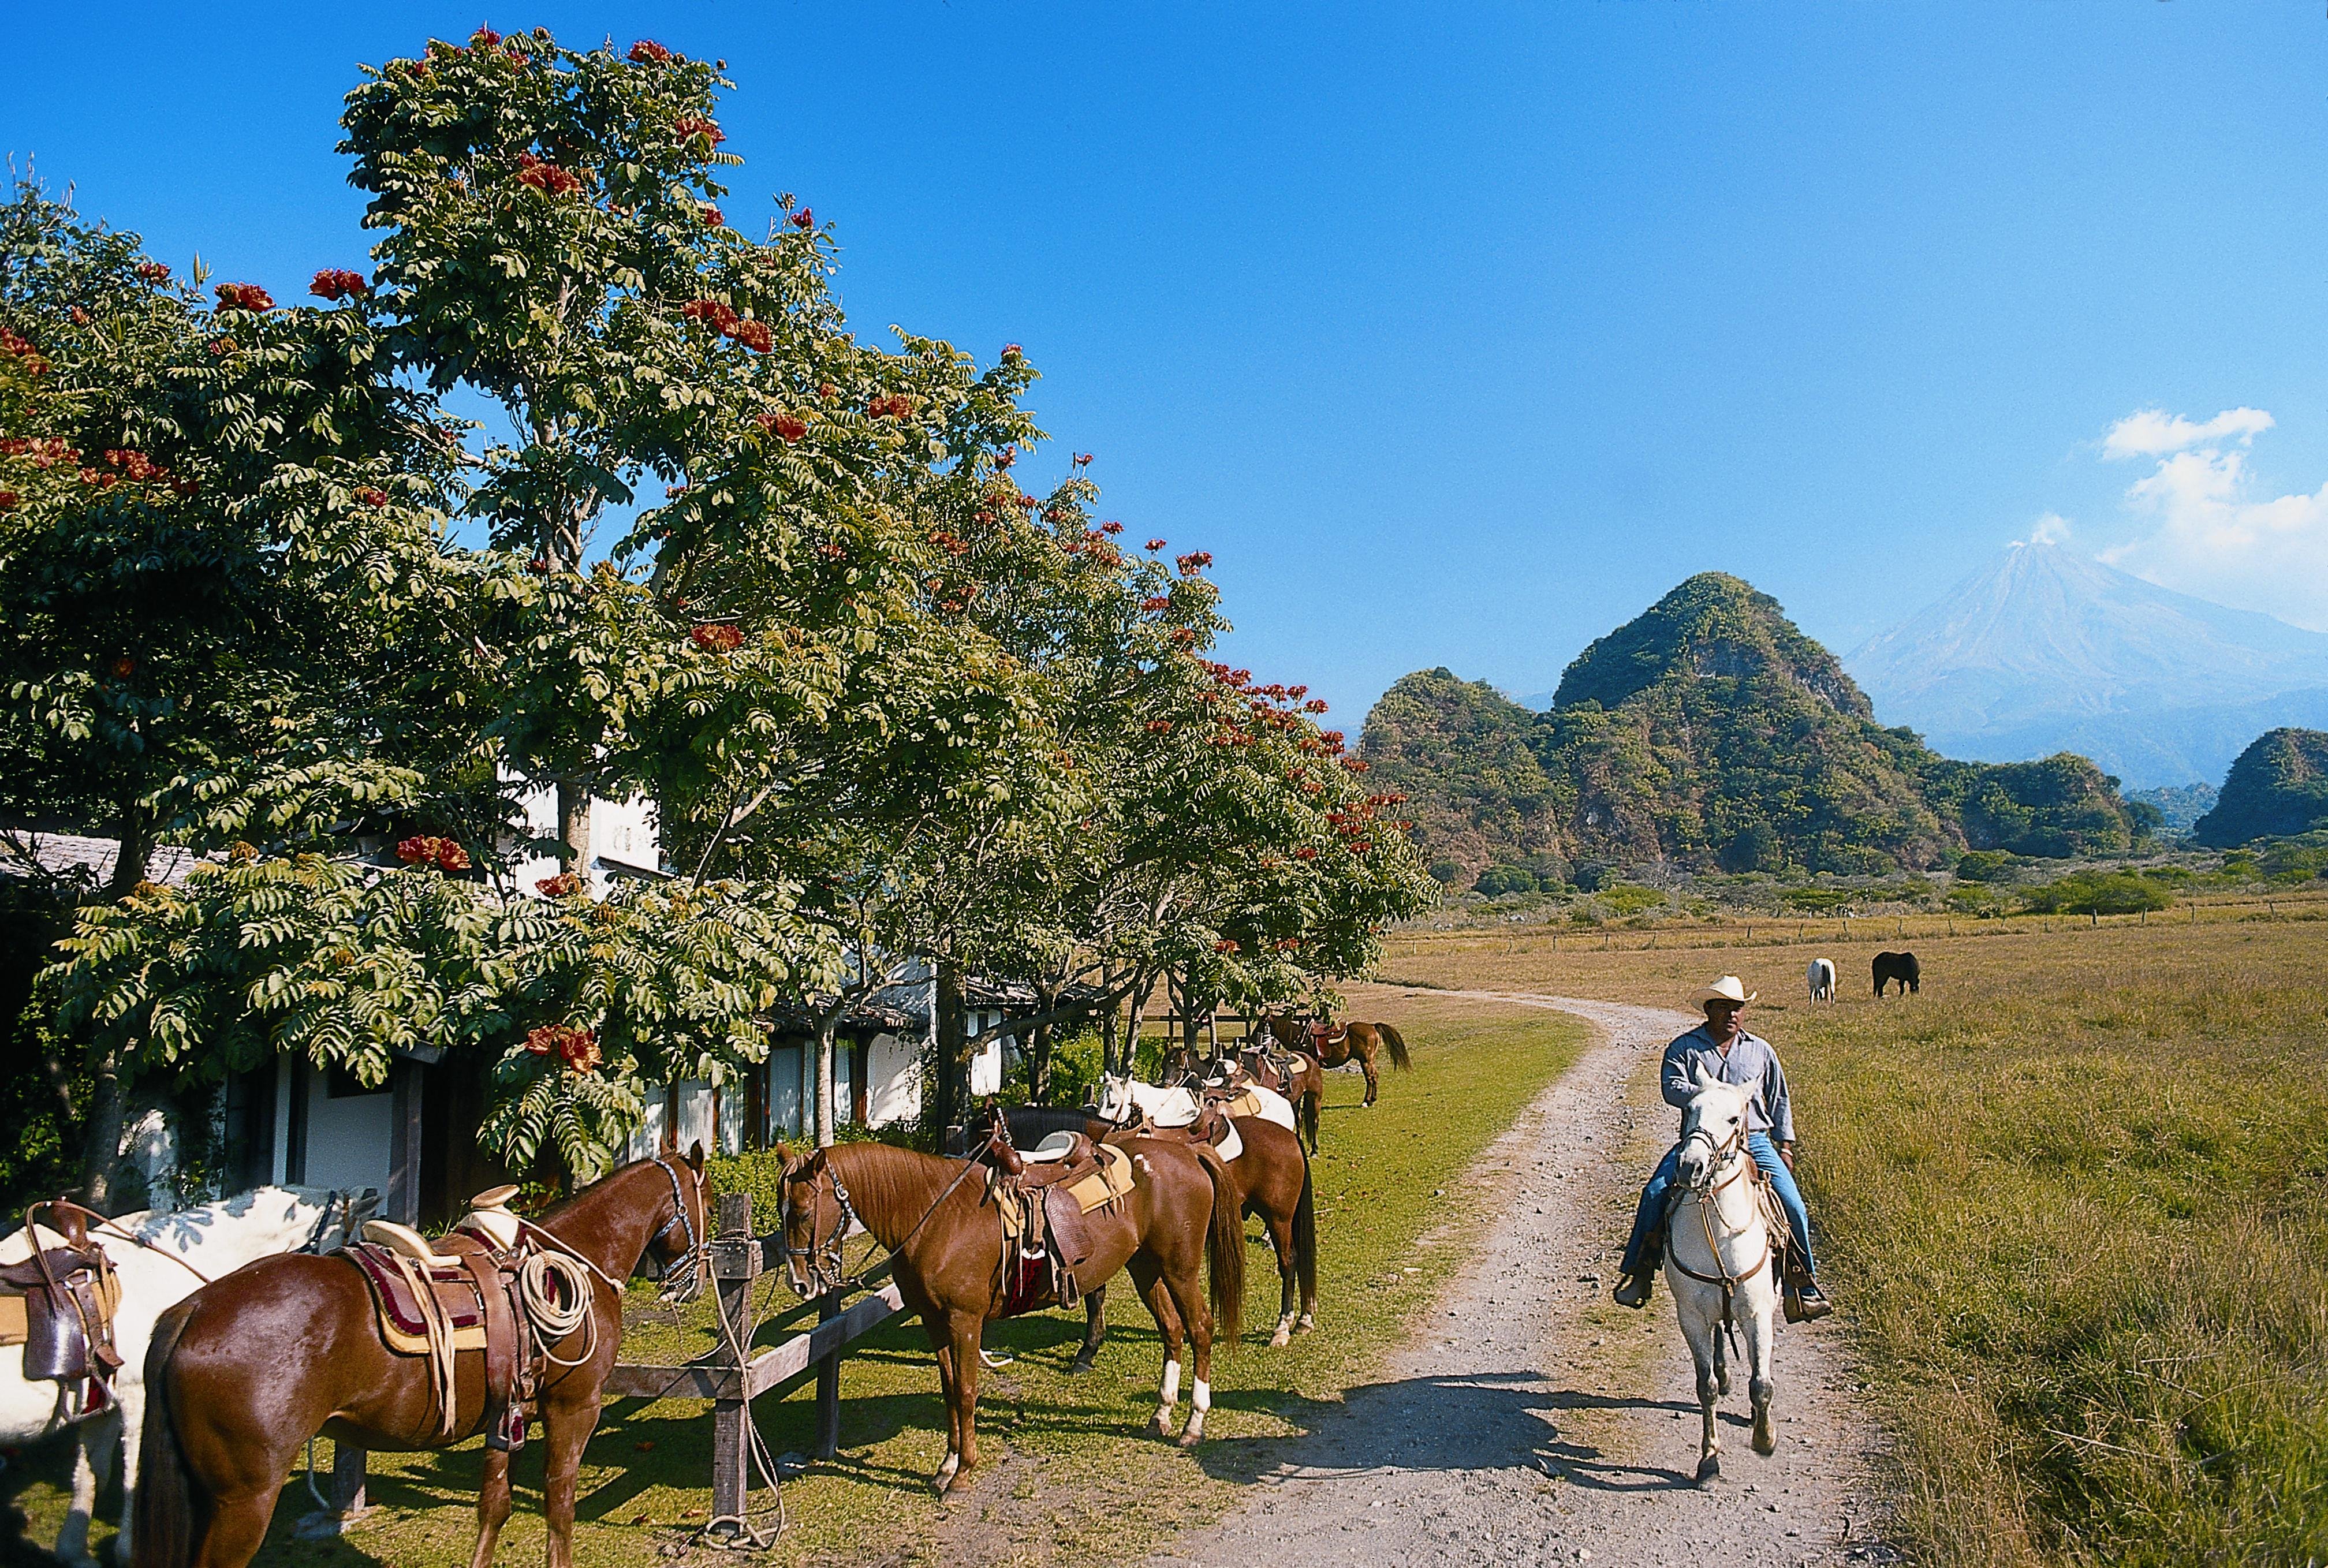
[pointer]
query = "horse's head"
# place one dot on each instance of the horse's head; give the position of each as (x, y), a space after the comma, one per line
(814, 1220)
(681, 1245)
(1713, 1127)
(1115, 1101)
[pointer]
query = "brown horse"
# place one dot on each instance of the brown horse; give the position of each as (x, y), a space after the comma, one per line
(249, 1368)
(1295, 1075)
(946, 1238)
(1272, 1178)
(1336, 1047)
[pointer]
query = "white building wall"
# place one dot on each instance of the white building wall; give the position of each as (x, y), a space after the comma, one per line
(348, 1139)
(624, 836)
(894, 1075)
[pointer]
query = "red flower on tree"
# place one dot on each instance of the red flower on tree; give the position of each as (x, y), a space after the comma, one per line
(371, 497)
(1160, 727)
(695, 125)
(1009, 351)
(1082, 459)
(791, 426)
(1225, 944)
(10, 501)
(153, 272)
(1305, 852)
(485, 38)
(711, 217)
(578, 1048)
(647, 52)
(446, 854)
(804, 219)
(712, 313)
(1154, 545)
(244, 296)
(718, 639)
(565, 884)
(1156, 606)
(1314, 705)
(1111, 528)
(1196, 561)
(754, 335)
(337, 283)
(546, 177)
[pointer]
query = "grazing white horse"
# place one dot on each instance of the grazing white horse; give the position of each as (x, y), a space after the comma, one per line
(1718, 1260)
(216, 1238)
(1178, 1106)
(1822, 980)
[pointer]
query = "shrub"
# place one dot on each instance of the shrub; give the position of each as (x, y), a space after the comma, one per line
(1985, 866)
(1498, 880)
(1628, 898)
(2099, 893)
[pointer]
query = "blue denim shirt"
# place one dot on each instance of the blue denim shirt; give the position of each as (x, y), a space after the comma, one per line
(1752, 1063)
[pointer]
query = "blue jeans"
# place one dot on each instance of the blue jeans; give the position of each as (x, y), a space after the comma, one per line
(1649, 1220)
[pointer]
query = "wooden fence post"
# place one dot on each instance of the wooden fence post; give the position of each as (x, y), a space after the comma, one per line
(828, 1385)
(735, 1261)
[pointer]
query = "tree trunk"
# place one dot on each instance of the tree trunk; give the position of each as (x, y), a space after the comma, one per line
(1140, 992)
(134, 856)
(1038, 1049)
(101, 1145)
(1108, 1021)
(574, 825)
(953, 1070)
(823, 1123)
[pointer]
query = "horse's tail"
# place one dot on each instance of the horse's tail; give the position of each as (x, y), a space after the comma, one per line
(1226, 1250)
(168, 1495)
(1398, 1057)
(1305, 1237)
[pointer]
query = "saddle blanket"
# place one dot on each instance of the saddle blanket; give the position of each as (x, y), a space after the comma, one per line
(403, 1328)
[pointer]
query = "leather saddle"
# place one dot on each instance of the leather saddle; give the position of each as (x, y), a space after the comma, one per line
(58, 1302)
(1048, 1198)
(1274, 1068)
(455, 1296)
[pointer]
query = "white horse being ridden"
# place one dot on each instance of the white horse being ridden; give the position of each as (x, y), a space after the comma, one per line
(216, 1238)
(1718, 1260)
(1121, 1098)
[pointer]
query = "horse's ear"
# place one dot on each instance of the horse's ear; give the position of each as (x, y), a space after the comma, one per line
(1700, 1078)
(695, 1157)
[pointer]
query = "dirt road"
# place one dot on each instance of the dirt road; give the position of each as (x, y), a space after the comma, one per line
(1535, 1420)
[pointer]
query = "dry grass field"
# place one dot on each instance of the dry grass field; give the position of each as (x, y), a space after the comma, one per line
(2075, 1202)
(1072, 1479)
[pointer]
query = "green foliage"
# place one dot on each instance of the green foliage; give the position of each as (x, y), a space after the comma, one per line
(1498, 880)
(2278, 786)
(2099, 892)
(1985, 866)
(1625, 898)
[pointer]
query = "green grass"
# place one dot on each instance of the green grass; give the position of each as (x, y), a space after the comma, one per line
(1070, 1479)
(2085, 1237)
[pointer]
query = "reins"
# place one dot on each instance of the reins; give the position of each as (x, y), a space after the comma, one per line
(819, 1250)
(1723, 1153)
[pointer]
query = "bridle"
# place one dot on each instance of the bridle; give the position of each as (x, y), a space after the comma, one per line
(824, 1271)
(682, 1276)
(1706, 1192)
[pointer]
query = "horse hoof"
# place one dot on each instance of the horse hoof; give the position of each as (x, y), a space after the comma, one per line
(1280, 1339)
(1303, 1324)
(1721, 1382)
(1160, 1426)
(1765, 1443)
(1709, 1469)
(1080, 1365)
(1191, 1439)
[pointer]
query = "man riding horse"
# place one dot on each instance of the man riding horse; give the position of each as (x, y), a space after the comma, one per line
(1726, 1051)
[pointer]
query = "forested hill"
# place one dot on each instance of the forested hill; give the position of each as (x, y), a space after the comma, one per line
(2278, 785)
(1710, 732)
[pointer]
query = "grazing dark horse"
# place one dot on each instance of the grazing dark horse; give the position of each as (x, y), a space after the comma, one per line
(946, 1236)
(1900, 966)
(246, 1370)
(1333, 1048)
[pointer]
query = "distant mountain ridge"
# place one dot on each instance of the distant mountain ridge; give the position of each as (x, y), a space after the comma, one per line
(2042, 650)
(1709, 731)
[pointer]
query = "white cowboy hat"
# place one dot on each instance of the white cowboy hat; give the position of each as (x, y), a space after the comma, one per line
(1729, 988)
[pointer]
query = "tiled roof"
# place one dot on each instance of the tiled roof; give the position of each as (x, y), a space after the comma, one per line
(86, 861)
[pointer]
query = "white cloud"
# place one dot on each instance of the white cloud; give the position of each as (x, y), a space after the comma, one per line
(2209, 534)
(2151, 433)
(2051, 528)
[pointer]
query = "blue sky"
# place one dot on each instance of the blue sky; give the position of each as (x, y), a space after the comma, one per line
(1460, 333)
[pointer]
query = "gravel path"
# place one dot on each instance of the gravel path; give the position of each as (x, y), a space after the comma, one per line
(1537, 1421)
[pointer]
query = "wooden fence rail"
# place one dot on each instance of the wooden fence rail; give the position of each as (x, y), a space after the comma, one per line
(729, 1376)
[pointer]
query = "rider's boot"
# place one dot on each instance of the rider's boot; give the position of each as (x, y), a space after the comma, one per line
(1635, 1288)
(1805, 1301)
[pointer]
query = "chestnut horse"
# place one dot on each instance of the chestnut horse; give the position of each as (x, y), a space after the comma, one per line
(246, 1370)
(1333, 1048)
(946, 1238)
(1304, 1088)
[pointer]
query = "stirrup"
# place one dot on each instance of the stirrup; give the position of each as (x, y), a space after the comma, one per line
(1635, 1289)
